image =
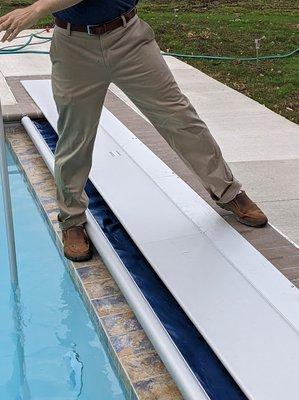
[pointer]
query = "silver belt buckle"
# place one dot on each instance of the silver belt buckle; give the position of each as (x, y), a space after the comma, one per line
(88, 30)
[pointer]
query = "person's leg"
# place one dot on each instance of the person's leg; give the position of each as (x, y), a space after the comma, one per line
(79, 81)
(139, 69)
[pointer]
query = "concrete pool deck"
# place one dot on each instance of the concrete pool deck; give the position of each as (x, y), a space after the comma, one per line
(250, 136)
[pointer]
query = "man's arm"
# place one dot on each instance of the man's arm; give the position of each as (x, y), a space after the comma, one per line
(23, 18)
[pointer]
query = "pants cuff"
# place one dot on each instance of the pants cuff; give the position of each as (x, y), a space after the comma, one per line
(229, 194)
(72, 221)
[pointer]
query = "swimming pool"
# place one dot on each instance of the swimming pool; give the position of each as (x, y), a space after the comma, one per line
(49, 348)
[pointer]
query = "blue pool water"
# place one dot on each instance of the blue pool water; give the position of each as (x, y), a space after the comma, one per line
(48, 346)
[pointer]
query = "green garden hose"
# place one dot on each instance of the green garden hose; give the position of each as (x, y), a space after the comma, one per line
(19, 49)
(227, 58)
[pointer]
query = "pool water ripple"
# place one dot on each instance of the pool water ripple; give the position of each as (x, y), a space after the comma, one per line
(49, 349)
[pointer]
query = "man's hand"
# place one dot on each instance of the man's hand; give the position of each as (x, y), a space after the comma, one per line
(17, 20)
(23, 18)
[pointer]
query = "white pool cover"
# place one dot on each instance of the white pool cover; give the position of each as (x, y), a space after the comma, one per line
(247, 311)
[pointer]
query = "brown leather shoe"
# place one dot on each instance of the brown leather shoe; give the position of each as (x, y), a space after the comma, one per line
(245, 210)
(76, 244)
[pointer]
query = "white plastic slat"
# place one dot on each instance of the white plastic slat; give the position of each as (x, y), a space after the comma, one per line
(174, 361)
(247, 311)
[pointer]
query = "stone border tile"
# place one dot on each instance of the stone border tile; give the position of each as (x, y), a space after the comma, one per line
(159, 388)
(111, 305)
(25, 106)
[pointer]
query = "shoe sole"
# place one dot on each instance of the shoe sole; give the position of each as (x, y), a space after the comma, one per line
(252, 224)
(244, 221)
(86, 257)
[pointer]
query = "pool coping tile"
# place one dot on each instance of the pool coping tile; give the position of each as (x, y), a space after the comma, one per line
(157, 386)
(148, 363)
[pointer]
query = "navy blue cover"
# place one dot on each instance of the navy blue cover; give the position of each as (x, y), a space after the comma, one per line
(204, 363)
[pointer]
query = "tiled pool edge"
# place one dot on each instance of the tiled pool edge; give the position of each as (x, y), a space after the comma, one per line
(134, 359)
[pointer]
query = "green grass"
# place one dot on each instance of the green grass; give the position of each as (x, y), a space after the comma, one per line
(229, 27)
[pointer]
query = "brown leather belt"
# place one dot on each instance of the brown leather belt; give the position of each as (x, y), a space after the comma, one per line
(98, 29)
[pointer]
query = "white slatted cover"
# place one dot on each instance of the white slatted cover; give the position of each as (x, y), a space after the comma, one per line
(247, 311)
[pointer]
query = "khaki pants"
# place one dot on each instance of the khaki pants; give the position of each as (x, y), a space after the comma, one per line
(82, 68)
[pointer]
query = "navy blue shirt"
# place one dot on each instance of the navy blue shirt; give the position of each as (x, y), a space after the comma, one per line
(89, 12)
